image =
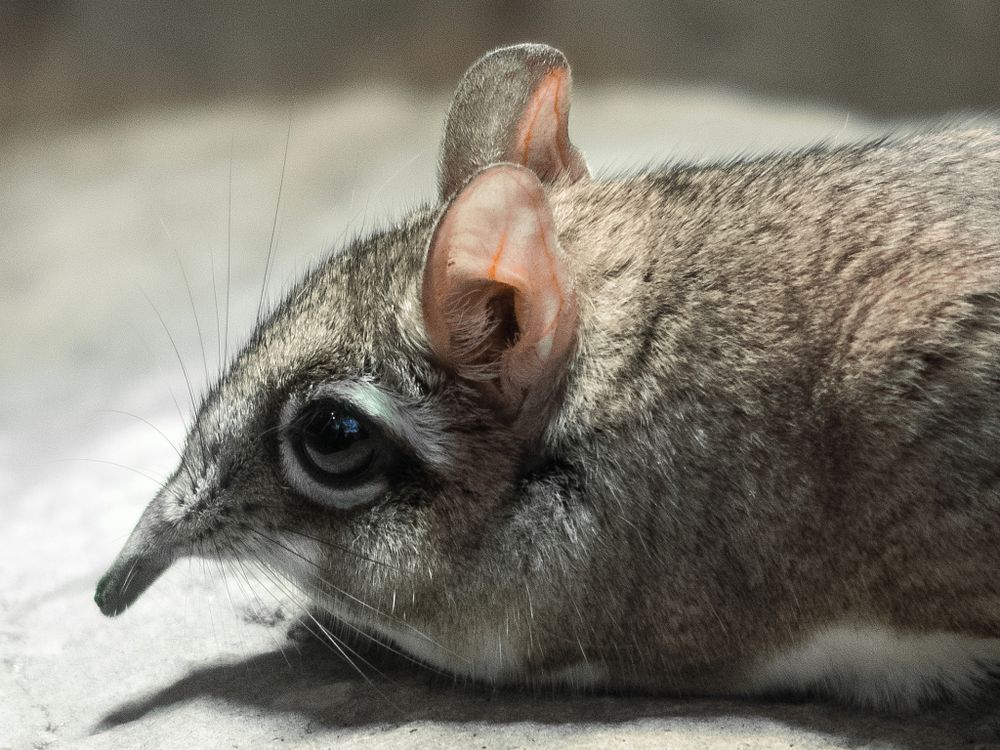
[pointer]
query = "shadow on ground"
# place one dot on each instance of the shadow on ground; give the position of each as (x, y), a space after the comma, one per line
(310, 680)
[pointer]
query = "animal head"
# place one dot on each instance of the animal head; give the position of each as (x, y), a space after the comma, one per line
(372, 440)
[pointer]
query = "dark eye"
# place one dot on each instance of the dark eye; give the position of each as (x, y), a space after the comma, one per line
(333, 443)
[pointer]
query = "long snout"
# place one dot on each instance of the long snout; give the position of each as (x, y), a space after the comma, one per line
(149, 551)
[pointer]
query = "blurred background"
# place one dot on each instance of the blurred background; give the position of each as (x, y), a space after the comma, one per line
(66, 59)
(169, 168)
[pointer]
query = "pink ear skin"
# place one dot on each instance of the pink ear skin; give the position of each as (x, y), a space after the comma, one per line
(498, 302)
(542, 142)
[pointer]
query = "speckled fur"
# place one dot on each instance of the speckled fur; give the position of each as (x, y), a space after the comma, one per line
(782, 414)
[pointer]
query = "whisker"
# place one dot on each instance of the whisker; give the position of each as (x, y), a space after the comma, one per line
(354, 183)
(128, 577)
(190, 296)
(288, 588)
(362, 212)
(180, 361)
(194, 313)
(229, 251)
(244, 552)
(218, 318)
(173, 396)
(249, 592)
(159, 366)
(386, 644)
(340, 547)
(263, 434)
(341, 647)
(134, 470)
(274, 222)
(305, 511)
(337, 590)
(145, 421)
(320, 513)
(305, 559)
(406, 165)
(203, 559)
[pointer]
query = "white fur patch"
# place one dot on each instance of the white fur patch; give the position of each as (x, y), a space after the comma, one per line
(492, 659)
(881, 667)
(489, 656)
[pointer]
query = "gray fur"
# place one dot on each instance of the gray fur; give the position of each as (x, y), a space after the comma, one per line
(783, 412)
(488, 101)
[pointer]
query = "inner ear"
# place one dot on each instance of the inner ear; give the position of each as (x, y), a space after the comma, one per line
(503, 329)
(498, 301)
(512, 105)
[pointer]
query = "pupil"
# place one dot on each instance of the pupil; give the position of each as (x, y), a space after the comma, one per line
(329, 432)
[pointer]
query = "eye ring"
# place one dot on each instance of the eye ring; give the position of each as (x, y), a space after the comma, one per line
(333, 442)
(333, 454)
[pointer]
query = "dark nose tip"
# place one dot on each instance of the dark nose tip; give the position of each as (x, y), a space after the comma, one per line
(127, 579)
(101, 597)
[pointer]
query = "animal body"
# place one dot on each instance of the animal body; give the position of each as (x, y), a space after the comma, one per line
(702, 430)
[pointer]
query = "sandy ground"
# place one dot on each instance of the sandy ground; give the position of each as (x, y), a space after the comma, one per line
(99, 227)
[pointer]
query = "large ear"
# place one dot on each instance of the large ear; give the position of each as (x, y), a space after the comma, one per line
(498, 300)
(512, 105)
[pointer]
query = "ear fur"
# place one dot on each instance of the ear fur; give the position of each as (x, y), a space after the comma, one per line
(512, 105)
(498, 301)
